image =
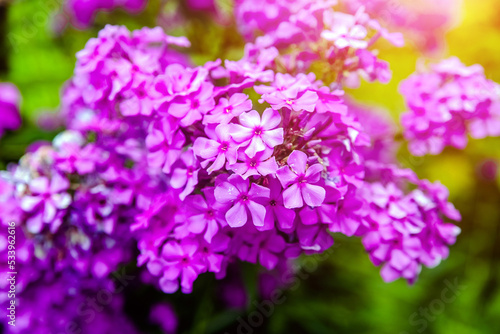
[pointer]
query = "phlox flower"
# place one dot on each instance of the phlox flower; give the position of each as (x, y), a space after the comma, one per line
(299, 182)
(255, 133)
(245, 199)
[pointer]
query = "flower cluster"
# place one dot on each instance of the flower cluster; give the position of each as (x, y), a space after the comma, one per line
(425, 22)
(315, 36)
(448, 103)
(197, 167)
(10, 98)
(404, 229)
(81, 13)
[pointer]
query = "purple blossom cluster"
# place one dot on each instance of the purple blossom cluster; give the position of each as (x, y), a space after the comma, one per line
(81, 13)
(448, 103)
(10, 99)
(424, 22)
(198, 167)
(316, 36)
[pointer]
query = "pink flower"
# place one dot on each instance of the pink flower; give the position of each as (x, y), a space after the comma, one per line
(299, 183)
(164, 143)
(204, 214)
(292, 99)
(245, 201)
(218, 149)
(179, 260)
(227, 109)
(192, 108)
(9, 107)
(275, 209)
(256, 133)
(263, 163)
(47, 198)
(186, 176)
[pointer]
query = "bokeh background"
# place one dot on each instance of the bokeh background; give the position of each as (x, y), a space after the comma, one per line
(338, 293)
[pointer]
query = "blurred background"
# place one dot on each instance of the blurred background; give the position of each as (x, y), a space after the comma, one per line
(342, 291)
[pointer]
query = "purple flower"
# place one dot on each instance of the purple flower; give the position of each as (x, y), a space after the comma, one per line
(263, 163)
(218, 149)
(10, 99)
(292, 99)
(299, 182)
(82, 12)
(256, 133)
(191, 108)
(227, 109)
(178, 261)
(186, 176)
(164, 143)
(275, 209)
(47, 199)
(245, 199)
(346, 32)
(205, 214)
(72, 158)
(447, 103)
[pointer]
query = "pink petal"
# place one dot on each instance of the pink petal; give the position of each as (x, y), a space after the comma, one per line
(306, 102)
(268, 167)
(292, 197)
(168, 286)
(179, 110)
(179, 178)
(237, 215)
(205, 148)
(256, 145)
(298, 161)
(218, 163)
(273, 138)
(258, 213)
(250, 119)
(270, 119)
(257, 191)
(240, 133)
(286, 176)
(285, 217)
(226, 192)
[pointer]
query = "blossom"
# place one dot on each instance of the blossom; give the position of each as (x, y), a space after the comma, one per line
(218, 149)
(275, 209)
(448, 103)
(263, 163)
(256, 133)
(10, 99)
(164, 143)
(184, 264)
(186, 176)
(205, 214)
(299, 182)
(227, 109)
(47, 200)
(346, 32)
(176, 164)
(245, 200)
(291, 99)
(191, 108)
(82, 13)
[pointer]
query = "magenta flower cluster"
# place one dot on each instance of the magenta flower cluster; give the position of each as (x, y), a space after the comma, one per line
(447, 104)
(308, 33)
(81, 13)
(424, 22)
(198, 167)
(10, 98)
